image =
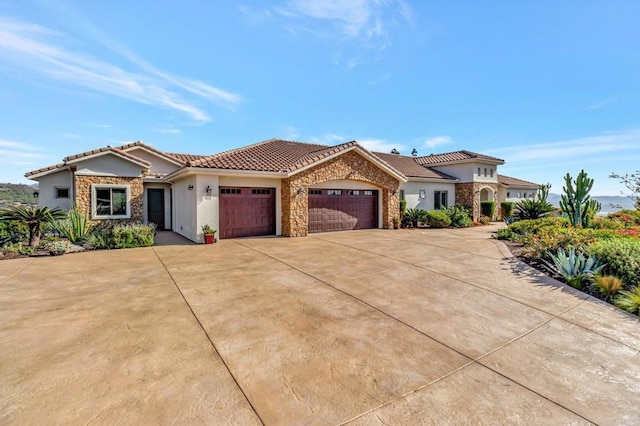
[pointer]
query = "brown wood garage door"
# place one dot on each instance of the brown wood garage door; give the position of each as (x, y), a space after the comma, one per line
(342, 209)
(247, 212)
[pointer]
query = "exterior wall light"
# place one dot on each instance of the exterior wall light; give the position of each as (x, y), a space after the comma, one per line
(190, 187)
(208, 190)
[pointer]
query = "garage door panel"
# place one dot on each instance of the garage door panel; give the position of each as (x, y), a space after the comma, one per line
(246, 212)
(341, 210)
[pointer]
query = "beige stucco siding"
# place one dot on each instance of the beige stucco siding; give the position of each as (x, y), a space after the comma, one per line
(412, 193)
(184, 208)
(47, 190)
(108, 165)
(158, 164)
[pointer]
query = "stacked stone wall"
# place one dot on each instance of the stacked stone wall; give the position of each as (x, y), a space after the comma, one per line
(349, 166)
(136, 189)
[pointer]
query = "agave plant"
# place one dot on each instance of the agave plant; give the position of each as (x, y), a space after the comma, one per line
(629, 300)
(575, 267)
(76, 227)
(33, 217)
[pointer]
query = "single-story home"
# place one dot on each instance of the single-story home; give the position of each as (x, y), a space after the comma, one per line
(275, 187)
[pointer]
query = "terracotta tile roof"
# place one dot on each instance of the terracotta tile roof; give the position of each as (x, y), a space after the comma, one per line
(185, 158)
(449, 157)
(273, 155)
(410, 168)
(118, 151)
(44, 169)
(507, 181)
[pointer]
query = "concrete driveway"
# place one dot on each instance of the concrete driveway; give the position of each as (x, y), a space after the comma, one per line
(364, 327)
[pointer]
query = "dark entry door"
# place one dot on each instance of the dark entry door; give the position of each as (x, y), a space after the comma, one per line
(246, 212)
(155, 207)
(342, 209)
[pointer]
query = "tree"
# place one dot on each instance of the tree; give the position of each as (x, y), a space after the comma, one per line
(536, 207)
(632, 182)
(33, 217)
(576, 202)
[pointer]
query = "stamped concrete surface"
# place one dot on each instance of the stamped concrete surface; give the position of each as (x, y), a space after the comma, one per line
(362, 327)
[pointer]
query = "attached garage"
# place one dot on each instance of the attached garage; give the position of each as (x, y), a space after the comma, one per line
(342, 209)
(247, 212)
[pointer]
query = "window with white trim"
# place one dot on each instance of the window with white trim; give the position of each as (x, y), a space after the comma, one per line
(440, 200)
(110, 201)
(61, 191)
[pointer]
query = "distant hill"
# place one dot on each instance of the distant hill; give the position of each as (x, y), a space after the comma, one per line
(606, 200)
(17, 194)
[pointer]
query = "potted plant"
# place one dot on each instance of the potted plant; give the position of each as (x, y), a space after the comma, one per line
(209, 234)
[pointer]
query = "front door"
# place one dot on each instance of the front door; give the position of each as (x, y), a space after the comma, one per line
(155, 207)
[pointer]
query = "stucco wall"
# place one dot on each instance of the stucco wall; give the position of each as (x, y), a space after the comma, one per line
(412, 193)
(158, 164)
(184, 208)
(47, 190)
(468, 193)
(108, 165)
(468, 172)
(348, 166)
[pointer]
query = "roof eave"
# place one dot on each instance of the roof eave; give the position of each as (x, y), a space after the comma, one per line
(109, 152)
(189, 171)
(37, 176)
(156, 153)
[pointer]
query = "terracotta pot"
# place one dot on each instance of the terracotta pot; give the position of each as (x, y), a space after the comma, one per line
(209, 239)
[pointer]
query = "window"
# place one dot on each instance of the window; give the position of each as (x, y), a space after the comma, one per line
(491, 172)
(485, 172)
(440, 200)
(478, 171)
(110, 201)
(353, 192)
(508, 195)
(402, 194)
(368, 192)
(260, 191)
(334, 192)
(315, 191)
(233, 191)
(61, 192)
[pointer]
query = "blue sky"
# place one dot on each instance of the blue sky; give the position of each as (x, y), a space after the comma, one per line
(549, 86)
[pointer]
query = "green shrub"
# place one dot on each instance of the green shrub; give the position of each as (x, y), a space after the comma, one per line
(12, 232)
(413, 217)
(130, 236)
(438, 219)
(552, 239)
(20, 249)
(403, 207)
(575, 267)
(484, 220)
(622, 256)
(460, 215)
(100, 239)
(629, 300)
(533, 226)
(506, 209)
(628, 218)
(504, 234)
(488, 208)
(606, 223)
(57, 247)
(76, 227)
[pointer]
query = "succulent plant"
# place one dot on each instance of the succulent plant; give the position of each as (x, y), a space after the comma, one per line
(575, 267)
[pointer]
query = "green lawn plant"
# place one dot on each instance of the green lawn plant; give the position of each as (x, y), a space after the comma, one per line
(575, 267)
(535, 207)
(622, 256)
(629, 300)
(437, 219)
(33, 217)
(76, 227)
(576, 202)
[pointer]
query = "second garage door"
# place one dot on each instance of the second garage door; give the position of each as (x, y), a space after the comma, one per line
(247, 212)
(342, 209)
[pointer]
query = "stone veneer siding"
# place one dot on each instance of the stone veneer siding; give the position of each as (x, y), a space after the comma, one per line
(468, 193)
(136, 189)
(348, 166)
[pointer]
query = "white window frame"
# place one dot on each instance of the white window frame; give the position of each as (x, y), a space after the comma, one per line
(94, 206)
(55, 192)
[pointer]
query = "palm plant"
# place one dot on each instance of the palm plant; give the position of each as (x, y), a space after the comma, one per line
(574, 266)
(536, 207)
(33, 217)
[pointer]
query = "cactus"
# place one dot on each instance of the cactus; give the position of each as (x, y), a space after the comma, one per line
(576, 202)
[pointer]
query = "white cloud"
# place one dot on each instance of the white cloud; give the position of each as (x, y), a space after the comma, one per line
(572, 149)
(16, 145)
(328, 139)
(365, 24)
(169, 131)
(380, 145)
(40, 50)
(436, 141)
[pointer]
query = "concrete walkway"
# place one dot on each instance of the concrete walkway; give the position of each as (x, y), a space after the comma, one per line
(364, 327)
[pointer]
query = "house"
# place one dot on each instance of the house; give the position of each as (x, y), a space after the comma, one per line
(514, 190)
(275, 187)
